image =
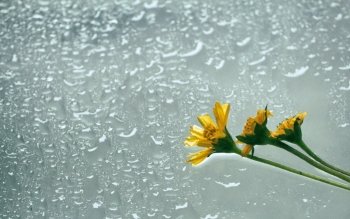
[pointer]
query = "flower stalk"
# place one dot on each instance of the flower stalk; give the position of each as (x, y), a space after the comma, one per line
(305, 148)
(298, 172)
(302, 156)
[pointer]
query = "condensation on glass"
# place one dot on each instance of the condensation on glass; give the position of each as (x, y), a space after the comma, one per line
(96, 98)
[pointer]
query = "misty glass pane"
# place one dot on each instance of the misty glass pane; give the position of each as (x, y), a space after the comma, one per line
(97, 97)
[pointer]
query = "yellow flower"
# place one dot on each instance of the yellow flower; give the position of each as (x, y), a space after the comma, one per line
(254, 131)
(210, 134)
(260, 118)
(286, 129)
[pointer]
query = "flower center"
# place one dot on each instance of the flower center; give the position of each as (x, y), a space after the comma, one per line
(209, 133)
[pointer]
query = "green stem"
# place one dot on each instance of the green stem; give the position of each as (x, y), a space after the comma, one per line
(292, 170)
(307, 159)
(317, 158)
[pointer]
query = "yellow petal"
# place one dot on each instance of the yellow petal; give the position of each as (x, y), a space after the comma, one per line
(300, 117)
(249, 126)
(221, 112)
(197, 131)
(246, 149)
(192, 141)
(206, 121)
(238, 142)
(205, 143)
(278, 133)
(198, 157)
(219, 115)
(261, 116)
(289, 123)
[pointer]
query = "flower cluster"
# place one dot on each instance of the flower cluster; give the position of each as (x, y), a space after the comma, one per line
(214, 137)
(289, 129)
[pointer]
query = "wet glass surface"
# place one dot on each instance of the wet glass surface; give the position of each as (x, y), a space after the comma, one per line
(96, 98)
